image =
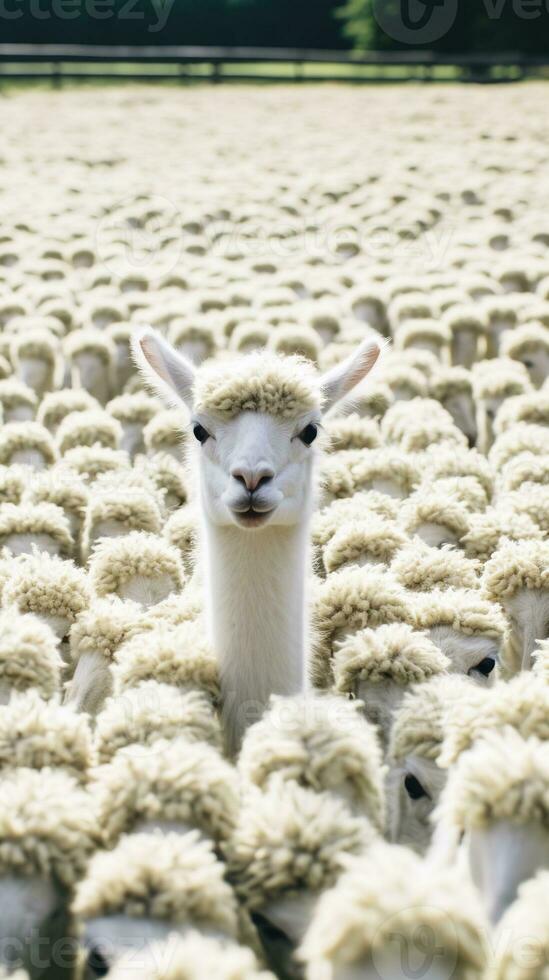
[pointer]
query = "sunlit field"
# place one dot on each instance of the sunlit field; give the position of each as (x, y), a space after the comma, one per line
(274, 654)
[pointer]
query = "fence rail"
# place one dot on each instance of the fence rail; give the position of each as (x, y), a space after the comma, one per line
(58, 62)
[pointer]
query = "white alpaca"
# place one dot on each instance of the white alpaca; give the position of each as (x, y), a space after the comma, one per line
(256, 488)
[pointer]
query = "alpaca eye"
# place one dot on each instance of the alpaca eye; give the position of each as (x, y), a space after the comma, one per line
(309, 434)
(528, 364)
(200, 433)
(486, 666)
(414, 788)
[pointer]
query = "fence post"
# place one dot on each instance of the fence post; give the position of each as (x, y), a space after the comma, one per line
(215, 75)
(56, 74)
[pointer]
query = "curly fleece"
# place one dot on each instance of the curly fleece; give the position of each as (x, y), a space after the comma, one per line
(49, 585)
(139, 408)
(55, 405)
(354, 540)
(103, 627)
(393, 652)
(301, 849)
(177, 655)
(350, 600)
(285, 387)
(522, 703)
(346, 472)
(444, 461)
(463, 610)
(94, 427)
(19, 436)
(324, 744)
(529, 469)
(434, 507)
(166, 473)
(520, 438)
(90, 461)
(523, 338)
(532, 409)
(327, 521)
(392, 892)
(117, 560)
(28, 654)
(176, 780)
(151, 711)
(47, 826)
(165, 429)
(488, 529)
(171, 877)
(352, 432)
(525, 929)
(504, 777)
(450, 381)
(39, 734)
(14, 393)
(136, 509)
(59, 487)
(420, 724)
(516, 565)
(420, 568)
(194, 957)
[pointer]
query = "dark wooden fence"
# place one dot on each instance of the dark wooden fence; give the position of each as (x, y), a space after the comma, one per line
(148, 63)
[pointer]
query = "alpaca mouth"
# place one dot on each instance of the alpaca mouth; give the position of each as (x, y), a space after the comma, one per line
(251, 518)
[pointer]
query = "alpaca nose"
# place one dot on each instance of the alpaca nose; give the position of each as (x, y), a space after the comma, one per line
(253, 479)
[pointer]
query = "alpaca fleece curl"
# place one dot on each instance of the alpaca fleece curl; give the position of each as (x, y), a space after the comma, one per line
(139, 408)
(322, 743)
(55, 405)
(448, 382)
(103, 627)
(133, 507)
(144, 714)
(393, 652)
(177, 780)
(519, 341)
(526, 921)
(49, 585)
(42, 518)
(59, 487)
(29, 657)
(391, 891)
(47, 826)
(434, 507)
(301, 849)
(167, 475)
(326, 522)
(527, 469)
(420, 723)
(285, 387)
(532, 409)
(194, 957)
(94, 427)
(531, 500)
(13, 480)
(352, 432)
(20, 436)
(90, 461)
(516, 565)
(117, 560)
(357, 539)
(172, 877)
(165, 429)
(178, 655)
(522, 437)
(521, 703)
(351, 600)
(495, 525)
(39, 734)
(90, 341)
(14, 393)
(445, 461)
(464, 610)
(503, 777)
(181, 530)
(346, 472)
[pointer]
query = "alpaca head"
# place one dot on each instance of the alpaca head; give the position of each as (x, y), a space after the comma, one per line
(254, 421)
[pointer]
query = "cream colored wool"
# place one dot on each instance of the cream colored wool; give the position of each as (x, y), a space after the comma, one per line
(35, 342)
(262, 382)
(166, 431)
(391, 892)
(352, 432)
(167, 475)
(522, 937)
(359, 506)
(420, 724)
(117, 560)
(531, 500)
(421, 434)
(359, 539)
(15, 394)
(322, 743)
(20, 436)
(420, 568)
(526, 470)
(248, 337)
(47, 826)
(295, 340)
(181, 332)
(394, 652)
(520, 438)
(348, 601)
(465, 490)
(405, 381)
(515, 343)
(344, 473)
(171, 612)
(171, 877)
(464, 610)
(402, 415)
(94, 427)
(301, 849)
(40, 518)
(56, 405)
(503, 777)
(29, 657)
(177, 781)
(516, 565)
(194, 957)
(370, 400)
(495, 526)
(500, 378)
(466, 318)
(139, 408)
(60, 487)
(151, 711)
(447, 382)
(532, 409)
(433, 331)
(90, 461)
(541, 659)
(39, 734)
(434, 507)
(181, 530)
(90, 341)
(44, 584)
(13, 480)
(178, 655)
(522, 703)
(103, 627)
(132, 507)
(410, 306)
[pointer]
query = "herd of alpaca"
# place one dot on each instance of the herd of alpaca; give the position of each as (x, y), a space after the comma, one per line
(274, 515)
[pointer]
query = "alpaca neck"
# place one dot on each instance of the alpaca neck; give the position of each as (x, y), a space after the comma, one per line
(257, 614)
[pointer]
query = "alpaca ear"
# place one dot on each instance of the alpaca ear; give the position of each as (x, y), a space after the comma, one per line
(340, 380)
(162, 367)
